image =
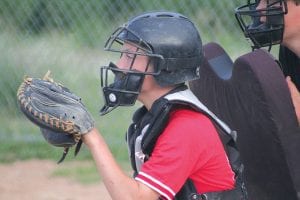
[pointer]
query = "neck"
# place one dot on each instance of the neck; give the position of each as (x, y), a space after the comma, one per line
(148, 98)
(294, 46)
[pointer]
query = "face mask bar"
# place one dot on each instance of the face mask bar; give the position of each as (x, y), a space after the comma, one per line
(123, 34)
(262, 33)
(111, 75)
(121, 87)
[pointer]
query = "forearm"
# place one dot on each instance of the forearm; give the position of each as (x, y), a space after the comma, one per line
(113, 177)
(118, 184)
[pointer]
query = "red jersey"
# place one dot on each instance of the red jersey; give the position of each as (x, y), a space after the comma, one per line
(189, 147)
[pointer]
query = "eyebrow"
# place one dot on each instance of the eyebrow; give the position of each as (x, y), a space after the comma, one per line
(126, 50)
(137, 51)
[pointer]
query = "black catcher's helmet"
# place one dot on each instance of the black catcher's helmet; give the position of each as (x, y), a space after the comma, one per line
(172, 44)
(264, 26)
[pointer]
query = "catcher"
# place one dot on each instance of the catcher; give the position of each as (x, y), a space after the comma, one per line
(172, 133)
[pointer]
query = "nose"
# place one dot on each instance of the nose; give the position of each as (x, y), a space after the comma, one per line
(121, 63)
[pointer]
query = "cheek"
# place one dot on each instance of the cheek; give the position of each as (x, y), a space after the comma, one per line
(123, 63)
(148, 83)
(140, 63)
(290, 29)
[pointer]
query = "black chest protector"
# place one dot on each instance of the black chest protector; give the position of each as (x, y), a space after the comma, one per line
(290, 64)
(148, 125)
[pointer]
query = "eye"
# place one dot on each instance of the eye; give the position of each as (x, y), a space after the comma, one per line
(129, 55)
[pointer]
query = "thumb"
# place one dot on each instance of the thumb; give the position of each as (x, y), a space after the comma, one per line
(291, 85)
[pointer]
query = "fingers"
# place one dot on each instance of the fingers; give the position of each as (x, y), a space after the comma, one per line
(290, 83)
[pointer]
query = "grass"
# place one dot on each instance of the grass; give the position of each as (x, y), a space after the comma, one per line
(85, 173)
(20, 150)
(22, 140)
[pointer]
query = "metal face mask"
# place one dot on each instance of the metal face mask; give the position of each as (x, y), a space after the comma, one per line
(121, 86)
(263, 26)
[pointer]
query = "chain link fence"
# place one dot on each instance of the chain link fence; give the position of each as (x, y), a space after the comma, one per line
(67, 37)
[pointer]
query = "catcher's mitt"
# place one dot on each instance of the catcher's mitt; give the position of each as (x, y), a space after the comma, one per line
(58, 112)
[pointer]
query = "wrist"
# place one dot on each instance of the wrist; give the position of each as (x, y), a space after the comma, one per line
(91, 138)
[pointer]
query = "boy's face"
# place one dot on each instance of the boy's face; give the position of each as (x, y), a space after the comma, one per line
(266, 4)
(131, 60)
(124, 82)
(137, 62)
(262, 21)
(291, 23)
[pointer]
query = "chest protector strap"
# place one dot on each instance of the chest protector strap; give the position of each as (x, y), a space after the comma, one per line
(148, 125)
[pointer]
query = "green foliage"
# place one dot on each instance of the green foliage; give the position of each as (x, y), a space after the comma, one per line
(20, 150)
(91, 21)
(9, 83)
(17, 10)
